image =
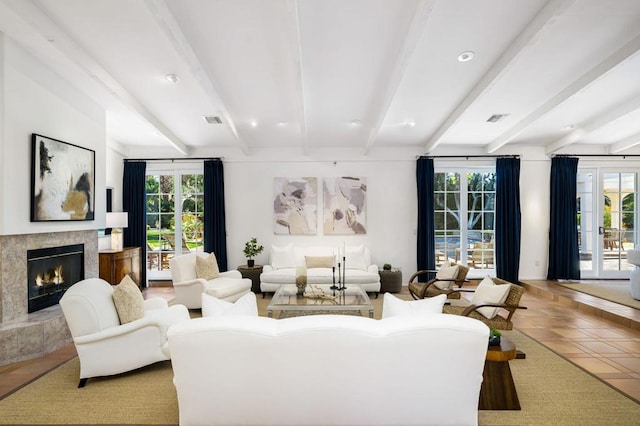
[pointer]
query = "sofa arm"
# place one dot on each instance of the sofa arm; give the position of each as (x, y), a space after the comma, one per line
(267, 268)
(373, 269)
(190, 283)
(155, 303)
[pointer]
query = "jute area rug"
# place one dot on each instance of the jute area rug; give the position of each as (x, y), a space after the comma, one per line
(617, 293)
(551, 391)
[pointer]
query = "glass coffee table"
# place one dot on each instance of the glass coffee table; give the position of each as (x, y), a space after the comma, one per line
(287, 301)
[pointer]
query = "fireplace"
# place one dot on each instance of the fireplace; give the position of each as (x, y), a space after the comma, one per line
(50, 272)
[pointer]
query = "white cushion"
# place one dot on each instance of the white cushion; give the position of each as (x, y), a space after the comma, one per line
(448, 272)
(283, 257)
(392, 306)
(354, 257)
(214, 307)
(489, 292)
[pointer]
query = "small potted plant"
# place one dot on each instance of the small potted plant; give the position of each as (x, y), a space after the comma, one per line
(252, 249)
(386, 267)
(494, 337)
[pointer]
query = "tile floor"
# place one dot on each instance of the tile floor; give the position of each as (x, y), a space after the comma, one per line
(601, 337)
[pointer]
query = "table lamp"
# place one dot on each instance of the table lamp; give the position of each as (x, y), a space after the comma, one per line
(116, 221)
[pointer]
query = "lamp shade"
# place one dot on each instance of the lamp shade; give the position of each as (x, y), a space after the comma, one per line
(117, 220)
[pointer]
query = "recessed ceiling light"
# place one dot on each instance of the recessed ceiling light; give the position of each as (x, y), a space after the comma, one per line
(253, 123)
(569, 127)
(466, 56)
(355, 123)
(411, 123)
(172, 78)
(282, 123)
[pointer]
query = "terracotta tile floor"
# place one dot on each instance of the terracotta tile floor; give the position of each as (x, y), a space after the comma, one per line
(601, 337)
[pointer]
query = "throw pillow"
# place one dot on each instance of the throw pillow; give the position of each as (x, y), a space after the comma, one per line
(282, 257)
(207, 267)
(214, 307)
(492, 293)
(354, 258)
(319, 261)
(128, 300)
(392, 306)
(448, 272)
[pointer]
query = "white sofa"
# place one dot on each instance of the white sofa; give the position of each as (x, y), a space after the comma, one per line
(229, 286)
(284, 260)
(328, 370)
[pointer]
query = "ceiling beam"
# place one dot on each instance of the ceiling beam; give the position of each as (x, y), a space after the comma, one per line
(170, 27)
(601, 120)
(626, 143)
(412, 39)
(585, 80)
(39, 23)
(292, 24)
(526, 38)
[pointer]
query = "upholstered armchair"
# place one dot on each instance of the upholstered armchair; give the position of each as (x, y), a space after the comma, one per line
(188, 286)
(106, 346)
(447, 280)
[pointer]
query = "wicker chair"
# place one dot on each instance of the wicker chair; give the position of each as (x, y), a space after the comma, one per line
(500, 321)
(420, 290)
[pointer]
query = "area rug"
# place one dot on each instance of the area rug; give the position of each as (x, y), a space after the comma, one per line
(551, 391)
(617, 293)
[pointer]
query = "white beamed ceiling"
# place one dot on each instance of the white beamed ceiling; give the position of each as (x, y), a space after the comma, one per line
(295, 75)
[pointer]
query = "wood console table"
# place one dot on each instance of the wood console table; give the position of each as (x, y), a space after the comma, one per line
(498, 392)
(115, 264)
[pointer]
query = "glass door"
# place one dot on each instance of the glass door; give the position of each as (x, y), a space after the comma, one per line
(617, 229)
(174, 219)
(587, 223)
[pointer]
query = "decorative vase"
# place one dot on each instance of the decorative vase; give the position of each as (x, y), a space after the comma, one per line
(250, 263)
(301, 279)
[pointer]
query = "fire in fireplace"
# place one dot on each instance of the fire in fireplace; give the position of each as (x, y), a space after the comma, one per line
(50, 272)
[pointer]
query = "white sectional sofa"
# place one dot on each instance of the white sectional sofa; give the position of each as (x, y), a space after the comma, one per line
(318, 261)
(328, 370)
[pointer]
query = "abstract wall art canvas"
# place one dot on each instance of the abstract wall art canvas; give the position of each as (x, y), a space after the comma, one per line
(295, 205)
(345, 205)
(62, 181)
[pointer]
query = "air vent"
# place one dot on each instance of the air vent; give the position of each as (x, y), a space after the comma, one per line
(212, 119)
(496, 117)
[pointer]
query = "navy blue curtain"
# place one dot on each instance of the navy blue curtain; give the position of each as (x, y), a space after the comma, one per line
(564, 258)
(508, 219)
(426, 258)
(134, 203)
(215, 229)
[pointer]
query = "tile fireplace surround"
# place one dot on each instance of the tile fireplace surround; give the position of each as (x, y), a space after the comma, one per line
(23, 335)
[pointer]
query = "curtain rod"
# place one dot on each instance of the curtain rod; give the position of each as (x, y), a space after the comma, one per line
(133, 160)
(597, 155)
(467, 156)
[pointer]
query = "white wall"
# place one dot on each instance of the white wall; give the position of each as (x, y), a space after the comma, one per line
(36, 100)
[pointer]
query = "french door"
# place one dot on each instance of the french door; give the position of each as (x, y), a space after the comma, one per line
(174, 218)
(607, 221)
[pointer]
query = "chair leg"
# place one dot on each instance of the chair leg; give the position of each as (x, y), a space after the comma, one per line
(82, 382)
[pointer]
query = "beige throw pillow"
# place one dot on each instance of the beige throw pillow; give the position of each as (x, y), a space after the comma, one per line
(207, 267)
(128, 301)
(489, 292)
(319, 261)
(446, 273)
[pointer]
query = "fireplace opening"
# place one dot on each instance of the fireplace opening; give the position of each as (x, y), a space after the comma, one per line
(50, 272)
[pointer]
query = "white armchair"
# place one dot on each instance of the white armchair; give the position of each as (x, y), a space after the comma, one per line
(229, 286)
(106, 347)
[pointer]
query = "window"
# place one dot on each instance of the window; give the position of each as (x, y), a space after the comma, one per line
(465, 230)
(174, 218)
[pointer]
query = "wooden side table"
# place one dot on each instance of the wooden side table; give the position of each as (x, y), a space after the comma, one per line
(253, 273)
(390, 281)
(115, 264)
(498, 392)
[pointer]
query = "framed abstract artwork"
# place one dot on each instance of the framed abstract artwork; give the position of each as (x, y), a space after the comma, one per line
(345, 205)
(62, 181)
(295, 205)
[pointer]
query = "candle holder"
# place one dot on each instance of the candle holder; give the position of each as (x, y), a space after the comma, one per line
(344, 274)
(334, 287)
